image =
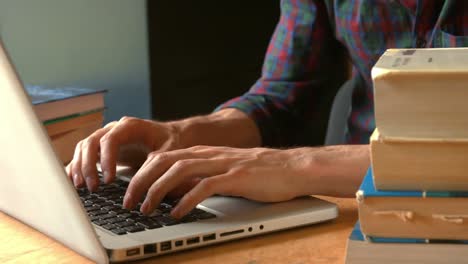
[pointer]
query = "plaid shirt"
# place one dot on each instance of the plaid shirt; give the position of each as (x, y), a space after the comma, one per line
(286, 94)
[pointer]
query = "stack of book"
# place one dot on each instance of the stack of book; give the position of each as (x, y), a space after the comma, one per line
(413, 201)
(69, 114)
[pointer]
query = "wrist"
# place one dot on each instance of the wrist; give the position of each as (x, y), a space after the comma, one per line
(228, 127)
(332, 170)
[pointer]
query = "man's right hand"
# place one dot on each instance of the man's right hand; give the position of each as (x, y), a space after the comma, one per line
(124, 142)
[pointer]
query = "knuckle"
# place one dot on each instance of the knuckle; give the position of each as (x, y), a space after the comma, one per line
(87, 170)
(161, 157)
(78, 146)
(113, 123)
(198, 148)
(106, 139)
(181, 164)
(125, 118)
(88, 143)
(208, 185)
(152, 155)
(128, 120)
(153, 192)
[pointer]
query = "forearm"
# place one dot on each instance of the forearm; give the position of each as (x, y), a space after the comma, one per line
(228, 127)
(334, 170)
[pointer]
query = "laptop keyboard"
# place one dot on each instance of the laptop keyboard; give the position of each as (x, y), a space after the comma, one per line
(104, 209)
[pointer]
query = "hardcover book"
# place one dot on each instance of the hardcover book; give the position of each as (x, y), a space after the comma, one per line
(403, 251)
(52, 103)
(419, 164)
(412, 214)
(421, 93)
(61, 125)
(64, 144)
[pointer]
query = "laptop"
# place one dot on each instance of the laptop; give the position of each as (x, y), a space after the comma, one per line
(34, 189)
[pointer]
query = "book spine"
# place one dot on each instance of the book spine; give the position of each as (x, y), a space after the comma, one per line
(412, 217)
(429, 165)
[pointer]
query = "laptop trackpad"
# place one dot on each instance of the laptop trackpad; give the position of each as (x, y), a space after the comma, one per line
(230, 205)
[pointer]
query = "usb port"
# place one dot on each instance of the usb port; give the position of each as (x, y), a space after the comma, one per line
(193, 240)
(149, 249)
(165, 245)
(209, 237)
(133, 252)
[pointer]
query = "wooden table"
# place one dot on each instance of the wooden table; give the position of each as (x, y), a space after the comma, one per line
(321, 243)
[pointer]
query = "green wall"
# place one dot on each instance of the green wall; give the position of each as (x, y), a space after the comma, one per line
(91, 43)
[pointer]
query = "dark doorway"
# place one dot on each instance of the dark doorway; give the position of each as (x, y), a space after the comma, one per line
(205, 52)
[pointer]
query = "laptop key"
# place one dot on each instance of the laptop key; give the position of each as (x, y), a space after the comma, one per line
(118, 231)
(94, 217)
(149, 224)
(166, 221)
(109, 226)
(103, 203)
(124, 224)
(100, 222)
(133, 229)
(205, 215)
(97, 212)
(92, 208)
(107, 216)
(138, 218)
(115, 220)
(188, 219)
(125, 215)
(111, 207)
(121, 211)
(113, 197)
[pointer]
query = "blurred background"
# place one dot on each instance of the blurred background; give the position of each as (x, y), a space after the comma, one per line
(157, 59)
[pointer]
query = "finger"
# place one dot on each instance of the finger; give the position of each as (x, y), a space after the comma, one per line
(75, 167)
(183, 188)
(180, 172)
(155, 166)
(221, 184)
(68, 170)
(110, 124)
(128, 130)
(90, 157)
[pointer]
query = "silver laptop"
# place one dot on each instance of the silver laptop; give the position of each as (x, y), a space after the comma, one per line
(35, 190)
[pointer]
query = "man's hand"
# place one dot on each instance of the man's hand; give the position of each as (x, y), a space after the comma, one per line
(125, 142)
(130, 140)
(169, 166)
(260, 174)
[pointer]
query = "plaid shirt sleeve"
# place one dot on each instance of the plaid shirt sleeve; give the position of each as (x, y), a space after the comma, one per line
(285, 96)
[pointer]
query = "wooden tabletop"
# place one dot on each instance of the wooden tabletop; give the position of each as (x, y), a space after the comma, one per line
(321, 243)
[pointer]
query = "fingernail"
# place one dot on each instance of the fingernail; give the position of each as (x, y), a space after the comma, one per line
(127, 200)
(90, 183)
(176, 212)
(80, 181)
(106, 176)
(145, 207)
(75, 180)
